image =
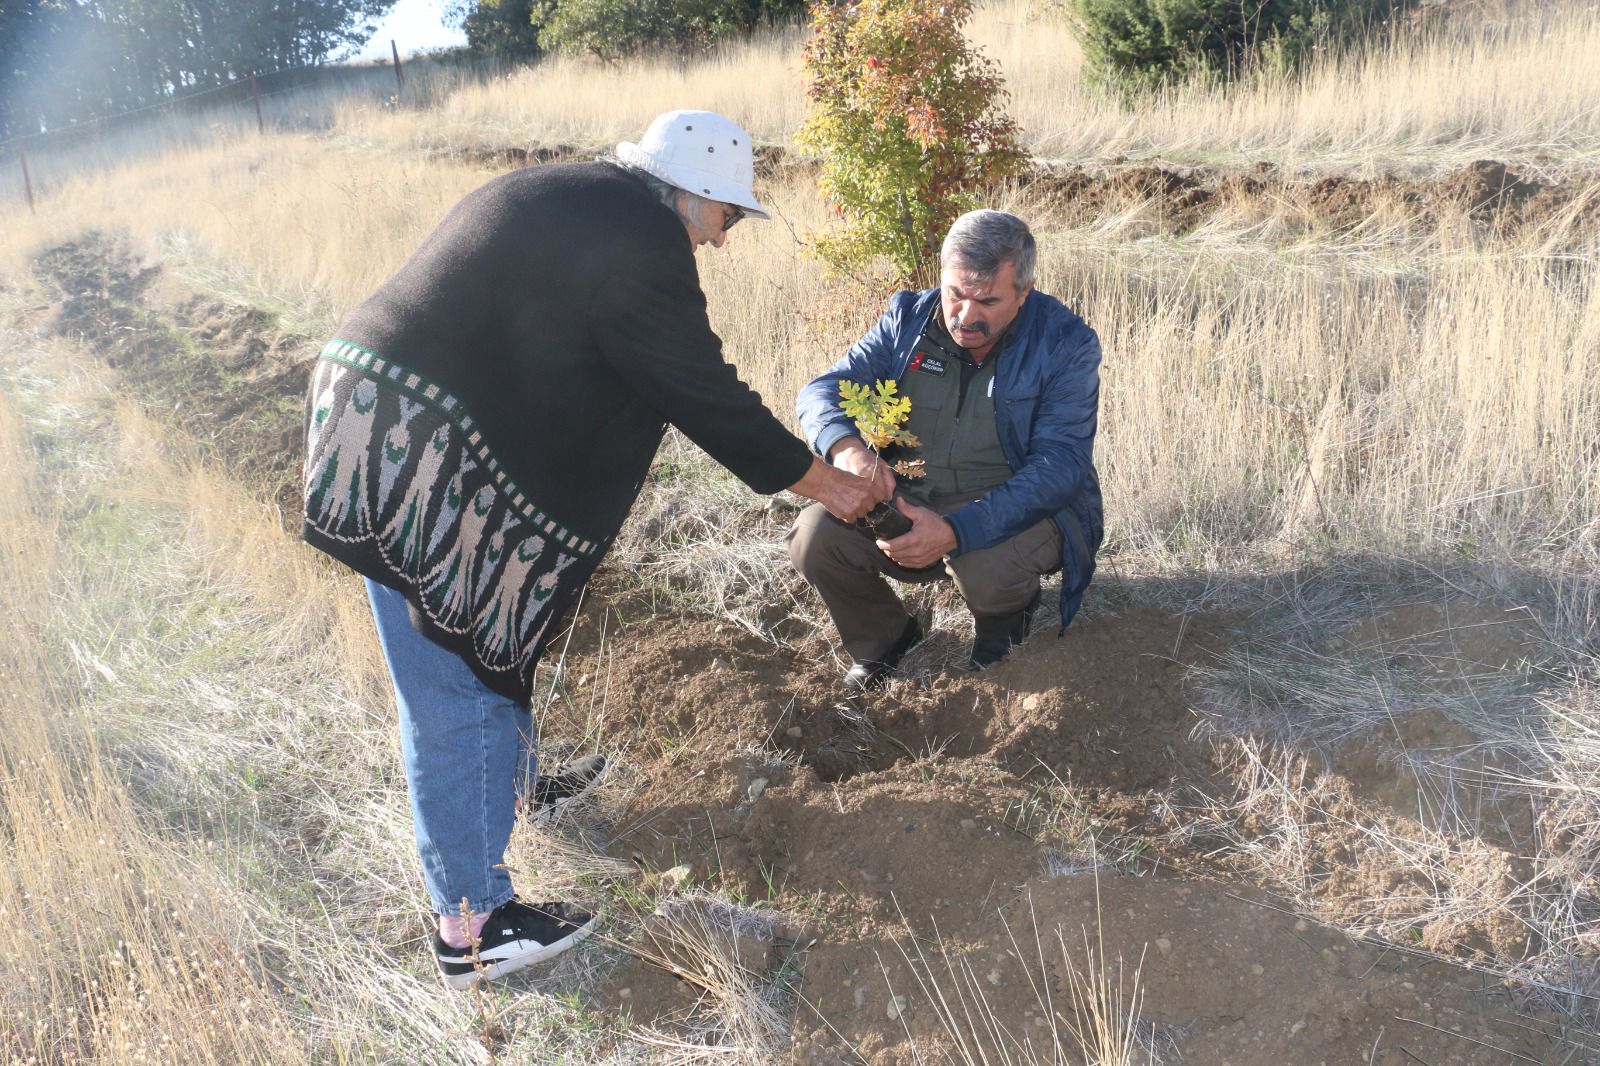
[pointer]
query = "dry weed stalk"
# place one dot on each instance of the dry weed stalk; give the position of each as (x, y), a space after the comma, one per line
(704, 941)
(1104, 1025)
(490, 1031)
(1105, 1017)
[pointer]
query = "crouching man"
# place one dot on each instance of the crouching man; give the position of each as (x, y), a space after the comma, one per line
(1004, 386)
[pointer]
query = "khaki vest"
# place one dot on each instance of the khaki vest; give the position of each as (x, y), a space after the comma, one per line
(960, 441)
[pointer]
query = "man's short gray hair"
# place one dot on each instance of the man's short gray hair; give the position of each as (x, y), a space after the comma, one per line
(980, 241)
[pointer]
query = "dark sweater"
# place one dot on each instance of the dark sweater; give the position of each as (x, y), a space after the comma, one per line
(548, 329)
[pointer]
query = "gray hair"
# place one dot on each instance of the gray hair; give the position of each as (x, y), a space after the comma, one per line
(664, 191)
(980, 241)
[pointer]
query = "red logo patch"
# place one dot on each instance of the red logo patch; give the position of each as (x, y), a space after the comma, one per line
(916, 362)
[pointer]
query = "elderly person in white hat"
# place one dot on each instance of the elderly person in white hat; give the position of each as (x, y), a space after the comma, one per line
(475, 435)
(678, 159)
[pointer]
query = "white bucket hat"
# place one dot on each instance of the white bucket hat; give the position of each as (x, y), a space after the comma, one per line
(700, 152)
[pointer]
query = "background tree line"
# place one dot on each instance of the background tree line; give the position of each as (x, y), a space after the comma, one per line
(1130, 45)
(521, 30)
(66, 61)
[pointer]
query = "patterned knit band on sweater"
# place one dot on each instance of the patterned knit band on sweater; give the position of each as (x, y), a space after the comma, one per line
(401, 485)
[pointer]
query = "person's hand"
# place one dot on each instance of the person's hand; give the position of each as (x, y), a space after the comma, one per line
(852, 454)
(846, 496)
(931, 538)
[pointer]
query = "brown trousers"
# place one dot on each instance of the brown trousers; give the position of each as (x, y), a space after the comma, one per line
(848, 571)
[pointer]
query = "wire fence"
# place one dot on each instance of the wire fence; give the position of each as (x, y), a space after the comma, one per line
(259, 101)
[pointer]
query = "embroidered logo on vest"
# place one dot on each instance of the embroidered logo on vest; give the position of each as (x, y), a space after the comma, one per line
(928, 364)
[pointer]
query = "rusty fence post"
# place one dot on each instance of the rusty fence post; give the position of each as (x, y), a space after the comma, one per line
(27, 182)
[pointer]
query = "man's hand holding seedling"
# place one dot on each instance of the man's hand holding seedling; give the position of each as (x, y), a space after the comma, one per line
(879, 413)
(931, 538)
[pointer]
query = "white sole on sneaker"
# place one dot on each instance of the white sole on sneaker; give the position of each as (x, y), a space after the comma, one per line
(509, 958)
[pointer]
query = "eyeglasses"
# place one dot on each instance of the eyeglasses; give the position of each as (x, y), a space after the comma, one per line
(732, 217)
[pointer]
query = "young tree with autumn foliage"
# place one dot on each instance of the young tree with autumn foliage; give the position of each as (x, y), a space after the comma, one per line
(910, 124)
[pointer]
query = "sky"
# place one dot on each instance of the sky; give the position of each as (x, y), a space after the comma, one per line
(414, 26)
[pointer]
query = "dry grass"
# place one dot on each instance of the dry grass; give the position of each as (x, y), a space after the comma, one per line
(207, 710)
(115, 947)
(586, 104)
(1475, 88)
(1095, 1018)
(1478, 89)
(1520, 914)
(198, 733)
(1472, 90)
(1259, 386)
(720, 950)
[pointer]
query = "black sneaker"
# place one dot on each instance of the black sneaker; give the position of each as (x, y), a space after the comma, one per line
(517, 934)
(554, 793)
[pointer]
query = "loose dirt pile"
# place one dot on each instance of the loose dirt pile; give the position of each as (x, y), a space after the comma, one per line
(1178, 199)
(930, 865)
(924, 893)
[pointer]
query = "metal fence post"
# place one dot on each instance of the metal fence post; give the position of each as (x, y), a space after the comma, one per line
(27, 182)
(255, 94)
(399, 78)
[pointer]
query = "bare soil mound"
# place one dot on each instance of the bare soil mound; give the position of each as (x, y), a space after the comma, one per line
(927, 844)
(1177, 199)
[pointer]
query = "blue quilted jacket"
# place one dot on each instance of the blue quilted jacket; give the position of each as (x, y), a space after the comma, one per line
(1047, 397)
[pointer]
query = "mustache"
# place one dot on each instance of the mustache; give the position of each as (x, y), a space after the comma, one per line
(980, 327)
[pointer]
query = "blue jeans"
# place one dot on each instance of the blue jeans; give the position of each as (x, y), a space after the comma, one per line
(469, 753)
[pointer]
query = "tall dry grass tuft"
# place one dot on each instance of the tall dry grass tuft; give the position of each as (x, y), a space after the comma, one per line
(1095, 1018)
(1437, 407)
(1105, 1006)
(113, 947)
(209, 853)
